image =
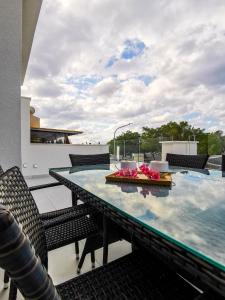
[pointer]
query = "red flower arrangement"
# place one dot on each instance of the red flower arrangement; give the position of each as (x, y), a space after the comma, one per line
(127, 173)
(150, 173)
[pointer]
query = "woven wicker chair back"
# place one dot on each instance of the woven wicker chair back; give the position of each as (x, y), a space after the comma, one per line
(223, 163)
(15, 195)
(1, 170)
(20, 262)
(94, 159)
(188, 161)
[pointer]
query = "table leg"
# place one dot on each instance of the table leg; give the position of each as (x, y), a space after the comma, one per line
(105, 241)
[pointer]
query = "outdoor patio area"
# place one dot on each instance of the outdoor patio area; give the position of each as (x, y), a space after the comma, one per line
(112, 150)
(128, 224)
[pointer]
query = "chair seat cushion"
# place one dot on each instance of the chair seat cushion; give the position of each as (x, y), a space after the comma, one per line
(134, 276)
(68, 232)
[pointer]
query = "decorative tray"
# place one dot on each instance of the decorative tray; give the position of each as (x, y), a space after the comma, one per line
(165, 179)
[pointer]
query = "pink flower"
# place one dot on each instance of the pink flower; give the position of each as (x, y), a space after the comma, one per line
(152, 174)
(126, 173)
(155, 175)
(144, 169)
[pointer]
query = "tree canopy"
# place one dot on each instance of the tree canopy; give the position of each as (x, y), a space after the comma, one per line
(148, 139)
(173, 130)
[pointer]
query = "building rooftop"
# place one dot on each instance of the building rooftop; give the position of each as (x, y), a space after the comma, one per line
(57, 132)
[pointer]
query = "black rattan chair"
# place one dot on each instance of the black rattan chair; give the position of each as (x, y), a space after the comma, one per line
(61, 215)
(148, 157)
(44, 235)
(1, 171)
(223, 163)
(134, 276)
(56, 217)
(94, 161)
(187, 161)
(90, 159)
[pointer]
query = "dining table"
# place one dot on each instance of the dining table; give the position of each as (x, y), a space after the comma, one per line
(183, 224)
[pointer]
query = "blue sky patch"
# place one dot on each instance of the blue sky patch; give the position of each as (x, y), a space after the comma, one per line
(146, 79)
(191, 115)
(149, 215)
(210, 120)
(132, 49)
(111, 62)
(84, 82)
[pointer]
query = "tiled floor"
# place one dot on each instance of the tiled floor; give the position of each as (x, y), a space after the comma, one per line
(62, 262)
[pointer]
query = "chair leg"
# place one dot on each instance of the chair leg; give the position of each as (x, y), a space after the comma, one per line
(93, 259)
(134, 247)
(81, 262)
(74, 203)
(6, 280)
(74, 199)
(105, 241)
(77, 250)
(12, 291)
(105, 254)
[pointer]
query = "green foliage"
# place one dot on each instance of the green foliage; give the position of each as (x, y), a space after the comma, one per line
(132, 137)
(215, 143)
(148, 140)
(176, 131)
(129, 135)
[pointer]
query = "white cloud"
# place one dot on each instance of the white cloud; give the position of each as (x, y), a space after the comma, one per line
(71, 87)
(106, 88)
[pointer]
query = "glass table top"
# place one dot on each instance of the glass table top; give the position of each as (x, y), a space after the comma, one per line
(190, 213)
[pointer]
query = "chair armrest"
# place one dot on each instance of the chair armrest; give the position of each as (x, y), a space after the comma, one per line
(43, 186)
(60, 216)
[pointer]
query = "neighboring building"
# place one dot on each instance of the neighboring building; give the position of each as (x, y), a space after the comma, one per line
(51, 148)
(51, 136)
(42, 135)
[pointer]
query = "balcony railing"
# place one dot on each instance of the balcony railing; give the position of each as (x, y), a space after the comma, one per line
(151, 149)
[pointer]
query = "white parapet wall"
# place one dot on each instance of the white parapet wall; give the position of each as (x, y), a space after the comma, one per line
(179, 147)
(37, 159)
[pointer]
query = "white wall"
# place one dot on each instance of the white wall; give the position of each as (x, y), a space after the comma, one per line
(25, 127)
(31, 10)
(46, 156)
(179, 147)
(10, 64)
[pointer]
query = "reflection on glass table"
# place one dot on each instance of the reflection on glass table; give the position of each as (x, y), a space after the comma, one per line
(190, 213)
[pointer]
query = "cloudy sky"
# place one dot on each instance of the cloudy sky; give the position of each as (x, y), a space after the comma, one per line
(96, 64)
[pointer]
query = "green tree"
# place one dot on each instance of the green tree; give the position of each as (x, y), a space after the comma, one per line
(211, 143)
(177, 131)
(172, 130)
(129, 135)
(129, 139)
(215, 143)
